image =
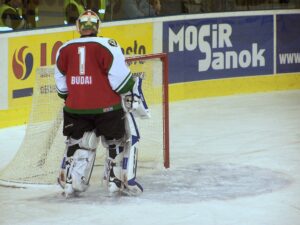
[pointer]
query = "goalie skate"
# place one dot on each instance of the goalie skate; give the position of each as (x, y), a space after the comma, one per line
(133, 189)
(115, 186)
(68, 190)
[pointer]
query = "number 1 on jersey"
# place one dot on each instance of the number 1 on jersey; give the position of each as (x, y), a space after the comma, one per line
(81, 53)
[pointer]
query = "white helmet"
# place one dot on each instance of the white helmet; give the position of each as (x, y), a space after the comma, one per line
(88, 23)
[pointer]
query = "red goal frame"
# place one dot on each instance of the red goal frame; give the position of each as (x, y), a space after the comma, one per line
(165, 90)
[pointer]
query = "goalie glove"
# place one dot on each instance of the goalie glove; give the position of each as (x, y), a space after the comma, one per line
(130, 101)
(134, 101)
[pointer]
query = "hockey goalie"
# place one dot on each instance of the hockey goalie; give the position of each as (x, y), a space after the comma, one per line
(102, 99)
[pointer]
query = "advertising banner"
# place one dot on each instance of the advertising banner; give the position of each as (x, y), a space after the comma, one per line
(288, 43)
(203, 49)
(135, 39)
(25, 55)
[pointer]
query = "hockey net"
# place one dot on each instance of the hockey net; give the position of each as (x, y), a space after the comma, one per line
(38, 159)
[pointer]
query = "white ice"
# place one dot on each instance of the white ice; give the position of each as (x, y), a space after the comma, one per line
(234, 161)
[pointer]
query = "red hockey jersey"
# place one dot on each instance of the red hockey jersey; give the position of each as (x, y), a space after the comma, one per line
(90, 73)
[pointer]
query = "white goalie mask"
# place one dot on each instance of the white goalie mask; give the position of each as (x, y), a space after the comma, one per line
(88, 23)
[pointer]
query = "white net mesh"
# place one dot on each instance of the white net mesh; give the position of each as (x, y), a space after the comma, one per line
(39, 157)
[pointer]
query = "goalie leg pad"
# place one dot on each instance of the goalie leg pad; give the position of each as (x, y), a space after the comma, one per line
(121, 163)
(77, 163)
(62, 172)
(76, 171)
(113, 180)
(83, 162)
(112, 176)
(132, 187)
(129, 167)
(89, 141)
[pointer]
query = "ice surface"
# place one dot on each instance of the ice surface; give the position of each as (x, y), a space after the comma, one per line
(234, 161)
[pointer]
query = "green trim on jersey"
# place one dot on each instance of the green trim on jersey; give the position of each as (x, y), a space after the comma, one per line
(63, 96)
(93, 111)
(126, 85)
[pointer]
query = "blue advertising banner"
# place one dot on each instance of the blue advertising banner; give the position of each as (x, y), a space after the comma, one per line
(288, 43)
(203, 49)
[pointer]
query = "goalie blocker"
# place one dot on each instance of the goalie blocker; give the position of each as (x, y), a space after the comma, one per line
(134, 101)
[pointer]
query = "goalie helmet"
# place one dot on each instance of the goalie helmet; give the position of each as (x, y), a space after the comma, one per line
(88, 23)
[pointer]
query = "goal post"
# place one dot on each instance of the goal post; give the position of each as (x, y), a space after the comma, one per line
(162, 69)
(38, 159)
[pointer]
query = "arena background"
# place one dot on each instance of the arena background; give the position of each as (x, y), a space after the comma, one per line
(214, 54)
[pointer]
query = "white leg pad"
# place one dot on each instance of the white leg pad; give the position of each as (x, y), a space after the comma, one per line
(89, 141)
(82, 166)
(129, 167)
(75, 171)
(123, 167)
(129, 171)
(112, 176)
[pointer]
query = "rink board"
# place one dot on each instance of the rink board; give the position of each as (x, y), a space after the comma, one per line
(213, 54)
(233, 86)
